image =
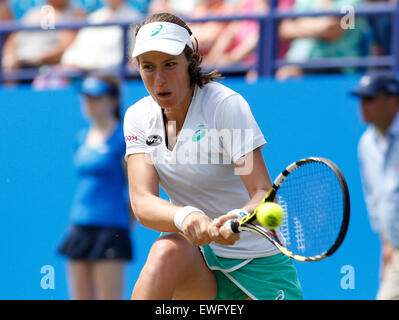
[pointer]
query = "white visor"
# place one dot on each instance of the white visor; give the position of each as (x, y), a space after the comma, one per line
(165, 37)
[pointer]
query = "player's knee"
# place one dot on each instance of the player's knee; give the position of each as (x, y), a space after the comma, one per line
(168, 253)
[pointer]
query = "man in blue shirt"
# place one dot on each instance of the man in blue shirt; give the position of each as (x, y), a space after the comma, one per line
(378, 153)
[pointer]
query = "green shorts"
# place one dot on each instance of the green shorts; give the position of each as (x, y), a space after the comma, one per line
(267, 278)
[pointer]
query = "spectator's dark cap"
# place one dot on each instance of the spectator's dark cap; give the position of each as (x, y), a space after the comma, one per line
(372, 84)
(96, 87)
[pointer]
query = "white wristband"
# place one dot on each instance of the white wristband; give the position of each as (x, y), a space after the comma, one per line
(182, 214)
(239, 213)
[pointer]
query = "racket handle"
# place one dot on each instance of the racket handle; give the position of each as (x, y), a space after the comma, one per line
(233, 225)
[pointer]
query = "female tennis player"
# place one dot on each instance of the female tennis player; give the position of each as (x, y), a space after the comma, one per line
(198, 140)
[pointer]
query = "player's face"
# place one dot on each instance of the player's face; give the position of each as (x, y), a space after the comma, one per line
(166, 78)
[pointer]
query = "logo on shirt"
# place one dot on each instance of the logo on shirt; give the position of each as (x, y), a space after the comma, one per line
(199, 134)
(156, 30)
(130, 138)
(154, 140)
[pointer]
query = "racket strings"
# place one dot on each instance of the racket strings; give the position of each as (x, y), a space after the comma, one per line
(311, 197)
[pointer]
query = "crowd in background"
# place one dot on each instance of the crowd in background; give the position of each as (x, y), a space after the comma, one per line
(223, 44)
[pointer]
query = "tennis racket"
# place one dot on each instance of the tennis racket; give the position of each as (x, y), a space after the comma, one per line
(315, 200)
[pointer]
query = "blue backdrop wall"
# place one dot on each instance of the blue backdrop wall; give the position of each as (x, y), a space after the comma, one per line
(299, 118)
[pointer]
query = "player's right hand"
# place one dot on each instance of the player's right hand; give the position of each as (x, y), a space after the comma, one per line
(195, 228)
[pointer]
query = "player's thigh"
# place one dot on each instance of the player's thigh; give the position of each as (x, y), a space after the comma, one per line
(183, 261)
(200, 282)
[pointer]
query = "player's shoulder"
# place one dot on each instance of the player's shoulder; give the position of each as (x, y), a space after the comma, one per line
(215, 94)
(143, 107)
(215, 91)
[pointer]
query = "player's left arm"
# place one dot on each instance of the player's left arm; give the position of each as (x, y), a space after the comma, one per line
(235, 113)
(256, 180)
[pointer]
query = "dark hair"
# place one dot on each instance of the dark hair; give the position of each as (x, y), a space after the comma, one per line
(114, 83)
(194, 57)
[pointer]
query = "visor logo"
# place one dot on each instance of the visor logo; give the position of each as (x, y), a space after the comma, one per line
(156, 30)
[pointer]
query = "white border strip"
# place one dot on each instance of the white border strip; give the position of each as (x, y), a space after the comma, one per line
(226, 273)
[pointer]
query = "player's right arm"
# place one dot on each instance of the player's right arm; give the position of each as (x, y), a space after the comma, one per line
(150, 210)
(154, 212)
(158, 214)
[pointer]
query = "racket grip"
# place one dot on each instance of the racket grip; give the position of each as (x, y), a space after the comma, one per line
(233, 225)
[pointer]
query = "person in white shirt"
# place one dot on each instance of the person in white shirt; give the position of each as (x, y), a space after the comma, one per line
(378, 153)
(198, 140)
(102, 48)
(181, 7)
(31, 49)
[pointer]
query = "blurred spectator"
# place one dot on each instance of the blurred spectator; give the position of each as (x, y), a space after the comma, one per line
(5, 16)
(378, 153)
(208, 32)
(101, 47)
(238, 40)
(381, 26)
(319, 37)
(179, 7)
(88, 5)
(27, 49)
(97, 242)
(19, 8)
(285, 5)
(284, 45)
(5, 11)
(141, 5)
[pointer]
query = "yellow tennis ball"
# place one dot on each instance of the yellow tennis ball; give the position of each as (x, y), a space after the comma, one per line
(270, 215)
